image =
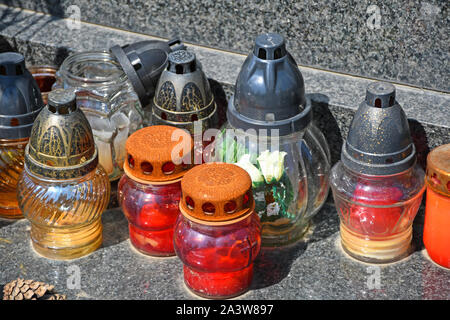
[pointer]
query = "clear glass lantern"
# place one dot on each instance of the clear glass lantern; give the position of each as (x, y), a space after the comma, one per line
(108, 100)
(378, 185)
(289, 181)
(271, 135)
(377, 212)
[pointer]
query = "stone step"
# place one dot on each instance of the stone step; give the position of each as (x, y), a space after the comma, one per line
(400, 41)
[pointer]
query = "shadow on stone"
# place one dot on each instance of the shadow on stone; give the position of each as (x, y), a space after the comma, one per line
(324, 224)
(221, 100)
(60, 56)
(5, 46)
(420, 140)
(417, 239)
(274, 264)
(327, 124)
(115, 227)
(113, 200)
(7, 222)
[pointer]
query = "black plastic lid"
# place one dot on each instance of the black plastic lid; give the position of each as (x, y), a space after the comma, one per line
(379, 141)
(20, 97)
(270, 92)
(143, 63)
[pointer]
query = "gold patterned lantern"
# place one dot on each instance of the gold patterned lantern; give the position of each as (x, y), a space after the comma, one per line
(63, 190)
(183, 95)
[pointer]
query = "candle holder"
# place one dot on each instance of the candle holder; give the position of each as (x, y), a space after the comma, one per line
(436, 235)
(183, 95)
(150, 191)
(63, 190)
(20, 103)
(271, 135)
(218, 234)
(377, 185)
(184, 99)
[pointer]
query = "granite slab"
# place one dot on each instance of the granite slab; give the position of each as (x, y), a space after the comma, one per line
(315, 268)
(403, 41)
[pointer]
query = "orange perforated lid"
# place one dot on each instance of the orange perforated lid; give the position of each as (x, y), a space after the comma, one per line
(216, 193)
(438, 170)
(158, 154)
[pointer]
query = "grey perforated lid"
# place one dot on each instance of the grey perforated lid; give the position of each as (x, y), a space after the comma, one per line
(143, 63)
(20, 98)
(270, 92)
(379, 141)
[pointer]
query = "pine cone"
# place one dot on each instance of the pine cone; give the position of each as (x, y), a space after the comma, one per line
(21, 289)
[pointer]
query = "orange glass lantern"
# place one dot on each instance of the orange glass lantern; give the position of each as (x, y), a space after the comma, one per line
(150, 189)
(20, 103)
(218, 235)
(436, 233)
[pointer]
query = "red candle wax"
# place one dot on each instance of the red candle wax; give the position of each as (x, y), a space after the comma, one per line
(218, 261)
(151, 212)
(374, 221)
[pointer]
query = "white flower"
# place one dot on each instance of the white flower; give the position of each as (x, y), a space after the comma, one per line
(245, 163)
(272, 165)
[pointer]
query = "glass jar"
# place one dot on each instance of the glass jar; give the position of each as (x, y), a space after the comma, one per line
(108, 100)
(20, 103)
(218, 261)
(65, 215)
(149, 191)
(436, 231)
(378, 186)
(11, 165)
(289, 178)
(151, 211)
(377, 212)
(63, 190)
(218, 234)
(271, 135)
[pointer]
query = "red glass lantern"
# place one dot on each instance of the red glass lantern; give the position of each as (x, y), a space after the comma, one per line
(150, 190)
(378, 186)
(436, 232)
(218, 235)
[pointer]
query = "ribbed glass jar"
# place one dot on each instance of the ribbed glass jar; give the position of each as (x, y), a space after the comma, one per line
(65, 215)
(108, 100)
(11, 165)
(377, 212)
(151, 211)
(218, 260)
(289, 177)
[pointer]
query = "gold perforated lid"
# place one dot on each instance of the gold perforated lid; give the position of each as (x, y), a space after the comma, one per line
(216, 193)
(438, 170)
(158, 154)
